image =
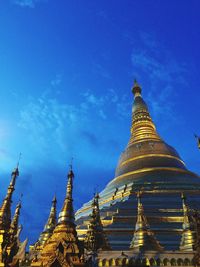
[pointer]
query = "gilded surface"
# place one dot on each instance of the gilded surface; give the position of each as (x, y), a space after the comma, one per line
(95, 238)
(143, 239)
(48, 229)
(150, 165)
(159, 230)
(62, 248)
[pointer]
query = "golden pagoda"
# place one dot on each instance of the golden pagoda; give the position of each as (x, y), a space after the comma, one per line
(144, 238)
(14, 232)
(63, 247)
(188, 239)
(95, 238)
(139, 218)
(151, 166)
(48, 230)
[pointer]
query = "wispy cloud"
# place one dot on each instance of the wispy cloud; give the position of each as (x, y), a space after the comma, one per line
(100, 70)
(57, 81)
(161, 72)
(73, 129)
(27, 3)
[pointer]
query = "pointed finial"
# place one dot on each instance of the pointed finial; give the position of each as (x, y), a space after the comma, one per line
(136, 89)
(70, 173)
(19, 204)
(20, 156)
(49, 226)
(71, 164)
(183, 196)
(20, 198)
(94, 194)
(67, 213)
(15, 172)
(96, 189)
(54, 200)
(139, 195)
(97, 196)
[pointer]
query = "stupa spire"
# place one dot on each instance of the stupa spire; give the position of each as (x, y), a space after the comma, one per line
(14, 227)
(51, 222)
(188, 236)
(95, 238)
(49, 226)
(136, 89)
(14, 233)
(143, 238)
(63, 247)
(67, 213)
(5, 210)
(142, 128)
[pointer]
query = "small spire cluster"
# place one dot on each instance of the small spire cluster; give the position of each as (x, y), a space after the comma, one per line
(61, 247)
(95, 238)
(60, 238)
(9, 227)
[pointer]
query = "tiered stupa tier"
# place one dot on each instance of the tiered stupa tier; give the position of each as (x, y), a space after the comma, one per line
(153, 167)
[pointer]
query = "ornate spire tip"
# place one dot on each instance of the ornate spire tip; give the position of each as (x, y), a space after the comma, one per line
(183, 197)
(54, 199)
(136, 89)
(20, 156)
(70, 173)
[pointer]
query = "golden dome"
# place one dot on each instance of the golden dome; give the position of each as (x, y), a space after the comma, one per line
(150, 166)
(147, 158)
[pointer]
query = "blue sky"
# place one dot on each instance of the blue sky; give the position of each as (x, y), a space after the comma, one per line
(66, 71)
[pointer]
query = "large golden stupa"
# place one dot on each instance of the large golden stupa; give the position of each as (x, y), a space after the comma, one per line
(152, 167)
